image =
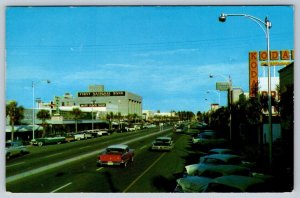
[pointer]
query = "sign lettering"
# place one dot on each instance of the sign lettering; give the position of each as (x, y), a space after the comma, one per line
(253, 73)
(101, 94)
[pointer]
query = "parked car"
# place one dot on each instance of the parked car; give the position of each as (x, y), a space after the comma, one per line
(48, 140)
(79, 136)
(162, 143)
(236, 183)
(119, 154)
(213, 171)
(14, 148)
(208, 138)
(69, 137)
(101, 132)
(220, 151)
(192, 184)
(214, 159)
(221, 159)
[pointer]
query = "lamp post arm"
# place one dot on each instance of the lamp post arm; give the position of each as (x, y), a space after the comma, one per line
(258, 21)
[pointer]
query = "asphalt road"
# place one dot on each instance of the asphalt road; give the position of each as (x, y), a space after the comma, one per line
(71, 167)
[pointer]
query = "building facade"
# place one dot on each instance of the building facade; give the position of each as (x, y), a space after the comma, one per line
(97, 100)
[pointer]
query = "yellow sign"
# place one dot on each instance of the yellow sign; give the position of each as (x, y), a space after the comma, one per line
(277, 58)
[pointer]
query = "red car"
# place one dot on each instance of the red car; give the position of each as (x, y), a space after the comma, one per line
(118, 154)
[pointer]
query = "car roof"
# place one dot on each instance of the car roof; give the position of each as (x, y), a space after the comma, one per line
(223, 170)
(223, 157)
(119, 146)
(220, 150)
(194, 182)
(164, 138)
(240, 182)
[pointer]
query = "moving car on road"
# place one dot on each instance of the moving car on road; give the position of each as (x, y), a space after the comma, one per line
(119, 154)
(162, 143)
(14, 149)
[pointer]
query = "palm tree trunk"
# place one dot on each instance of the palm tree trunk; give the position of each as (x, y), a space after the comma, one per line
(12, 130)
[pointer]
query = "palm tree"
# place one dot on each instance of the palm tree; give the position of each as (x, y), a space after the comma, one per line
(15, 114)
(43, 115)
(119, 117)
(109, 117)
(76, 113)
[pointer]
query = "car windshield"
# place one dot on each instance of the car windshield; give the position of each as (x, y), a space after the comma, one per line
(114, 150)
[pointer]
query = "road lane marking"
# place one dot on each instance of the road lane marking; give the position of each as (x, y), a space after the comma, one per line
(52, 155)
(143, 147)
(15, 164)
(66, 161)
(141, 175)
(98, 169)
(61, 187)
(85, 147)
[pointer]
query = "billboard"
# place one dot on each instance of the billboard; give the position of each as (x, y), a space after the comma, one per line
(222, 86)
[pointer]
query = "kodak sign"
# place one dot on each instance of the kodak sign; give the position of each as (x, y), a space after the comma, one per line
(253, 74)
(277, 58)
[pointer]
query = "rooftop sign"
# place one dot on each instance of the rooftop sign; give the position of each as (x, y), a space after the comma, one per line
(101, 94)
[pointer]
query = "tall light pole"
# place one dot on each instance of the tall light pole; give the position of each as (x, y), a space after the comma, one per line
(33, 104)
(265, 26)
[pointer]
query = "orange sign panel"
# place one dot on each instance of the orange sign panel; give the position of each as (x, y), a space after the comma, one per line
(253, 73)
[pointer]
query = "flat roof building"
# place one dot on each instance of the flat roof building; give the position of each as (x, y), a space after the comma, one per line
(98, 100)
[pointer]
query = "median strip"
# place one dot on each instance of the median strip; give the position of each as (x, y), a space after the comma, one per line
(64, 162)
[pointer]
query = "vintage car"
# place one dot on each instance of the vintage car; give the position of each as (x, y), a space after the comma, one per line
(221, 159)
(214, 159)
(208, 138)
(162, 143)
(220, 151)
(192, 184)
(236, 183)
(119, 154)
(213, 171)
(14, 148)
(48, 140)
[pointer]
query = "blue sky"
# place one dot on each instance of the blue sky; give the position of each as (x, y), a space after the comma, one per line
(165, 54)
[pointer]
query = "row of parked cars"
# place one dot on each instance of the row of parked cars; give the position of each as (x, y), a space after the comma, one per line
(220, 169)
(69, 137)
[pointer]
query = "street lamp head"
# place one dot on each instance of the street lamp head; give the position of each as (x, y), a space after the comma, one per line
(211, 76)
(222, 17)
(48, 81)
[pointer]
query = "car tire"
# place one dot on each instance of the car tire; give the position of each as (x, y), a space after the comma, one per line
(125, 164)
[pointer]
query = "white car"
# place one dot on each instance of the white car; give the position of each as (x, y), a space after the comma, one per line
(162, 143)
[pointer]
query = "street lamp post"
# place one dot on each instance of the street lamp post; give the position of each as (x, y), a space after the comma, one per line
(265, 26)
(33, 104)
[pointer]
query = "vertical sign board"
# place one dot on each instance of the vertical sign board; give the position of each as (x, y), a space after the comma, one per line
(253, 74)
